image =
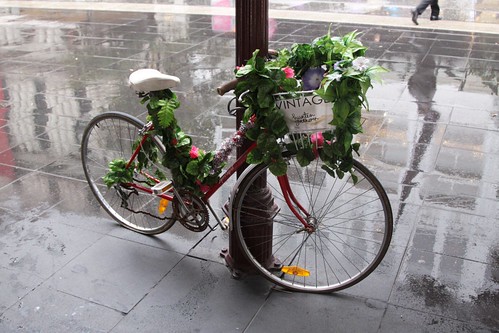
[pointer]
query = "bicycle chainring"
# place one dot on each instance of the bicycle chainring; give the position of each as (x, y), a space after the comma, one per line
(193, 214)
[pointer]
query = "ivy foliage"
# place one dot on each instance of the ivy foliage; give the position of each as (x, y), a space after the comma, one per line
(190, 167)
(260, 81)
(188, 170)
(347, 78)
(345, 83)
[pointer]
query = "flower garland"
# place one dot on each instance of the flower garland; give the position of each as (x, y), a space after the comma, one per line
(191, 167)
(336, 69)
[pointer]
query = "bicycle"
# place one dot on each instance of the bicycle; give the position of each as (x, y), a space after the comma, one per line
(318, 233)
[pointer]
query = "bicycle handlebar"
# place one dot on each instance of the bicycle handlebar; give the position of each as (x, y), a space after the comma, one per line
(226, 87)
(231, 85)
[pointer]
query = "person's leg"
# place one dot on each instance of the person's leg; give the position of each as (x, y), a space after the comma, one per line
(424, 4)
(435, 10)
(420, 9)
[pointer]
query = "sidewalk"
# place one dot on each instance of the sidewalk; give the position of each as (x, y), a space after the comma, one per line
(431, 138)
(483, 17)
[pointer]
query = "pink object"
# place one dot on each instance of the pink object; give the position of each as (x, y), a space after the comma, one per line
(289, 72)
(317, 139)
(194, 153)
(202, 187)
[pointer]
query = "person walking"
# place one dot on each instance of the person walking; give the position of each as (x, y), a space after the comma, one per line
(435, 10)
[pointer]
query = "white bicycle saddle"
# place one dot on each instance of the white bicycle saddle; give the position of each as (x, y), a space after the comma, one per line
(145, 80)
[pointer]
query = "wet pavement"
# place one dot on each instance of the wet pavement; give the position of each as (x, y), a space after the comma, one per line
(431, 137)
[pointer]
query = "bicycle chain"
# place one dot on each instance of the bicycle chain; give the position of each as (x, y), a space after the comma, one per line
(124, 202)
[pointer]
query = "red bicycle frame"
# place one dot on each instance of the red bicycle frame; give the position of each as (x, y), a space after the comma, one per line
(292, 202)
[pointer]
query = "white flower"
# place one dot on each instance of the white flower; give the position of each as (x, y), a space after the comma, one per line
(335, 76)
(360, 64)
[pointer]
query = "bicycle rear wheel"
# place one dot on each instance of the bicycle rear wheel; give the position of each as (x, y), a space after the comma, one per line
(352, 227)
(111, 136)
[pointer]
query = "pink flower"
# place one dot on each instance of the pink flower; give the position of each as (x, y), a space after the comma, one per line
(290, 73)
(202, 187)
(317, 139)
(194, 153)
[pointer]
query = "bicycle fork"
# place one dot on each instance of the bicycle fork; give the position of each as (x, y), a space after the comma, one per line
(294, 205)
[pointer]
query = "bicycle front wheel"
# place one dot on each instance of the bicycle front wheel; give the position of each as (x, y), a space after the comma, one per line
(352, 226)
(110, 136)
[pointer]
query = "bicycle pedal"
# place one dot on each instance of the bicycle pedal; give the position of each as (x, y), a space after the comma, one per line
(161, 187)
(225, 223)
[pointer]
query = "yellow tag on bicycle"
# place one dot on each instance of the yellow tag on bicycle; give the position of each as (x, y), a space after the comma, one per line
(163, 205)
(295, 270)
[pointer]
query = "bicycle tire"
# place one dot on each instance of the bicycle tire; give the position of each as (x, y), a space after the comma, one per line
(354, 225)
(110, 136)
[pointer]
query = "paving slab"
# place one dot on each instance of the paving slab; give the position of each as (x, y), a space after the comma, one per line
(431, 138)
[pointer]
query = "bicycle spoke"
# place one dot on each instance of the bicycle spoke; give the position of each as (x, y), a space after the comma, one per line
(111, 136)
(349, 233)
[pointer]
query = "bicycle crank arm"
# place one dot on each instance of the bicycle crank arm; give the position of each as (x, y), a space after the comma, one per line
(222, 225)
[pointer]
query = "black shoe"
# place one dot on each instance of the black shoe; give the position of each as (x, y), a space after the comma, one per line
(415, 17)
(435, 18)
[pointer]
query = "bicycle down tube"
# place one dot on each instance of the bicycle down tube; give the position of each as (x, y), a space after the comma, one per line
(290, 198)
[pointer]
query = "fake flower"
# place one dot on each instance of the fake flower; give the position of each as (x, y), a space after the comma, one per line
(336, 69)
(312, 78)
(204, 188)
(194, 153)
(317, 139)
(290, 73)
(334, 76)
(360, 64)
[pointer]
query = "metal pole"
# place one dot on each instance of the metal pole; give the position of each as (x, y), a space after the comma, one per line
(251, 33)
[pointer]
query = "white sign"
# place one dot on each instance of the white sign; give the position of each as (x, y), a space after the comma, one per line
(305, 112)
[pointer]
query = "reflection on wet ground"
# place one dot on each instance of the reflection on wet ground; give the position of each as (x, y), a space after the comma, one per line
(431, 138)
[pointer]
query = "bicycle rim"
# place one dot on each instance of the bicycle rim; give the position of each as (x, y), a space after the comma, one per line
(353, 227)
(111, 136)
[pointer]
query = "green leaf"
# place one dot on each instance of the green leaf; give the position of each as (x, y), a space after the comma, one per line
(341, 109)
(327, 150)
(259, 64)
(278, 168)
(255, 156)
(253, 133)
(356, 147)
(274, 149)
(243, 71)
(265, 139)
(329, 170)
(327, 92)
(355, 179)
(305, 156)
(265, 89)
(193, 168)
(166, 115)
(265, 101)
(292, 148)
(347, 140)
(118, 173)
(290, 84)
(276, 123)
(183, 141)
